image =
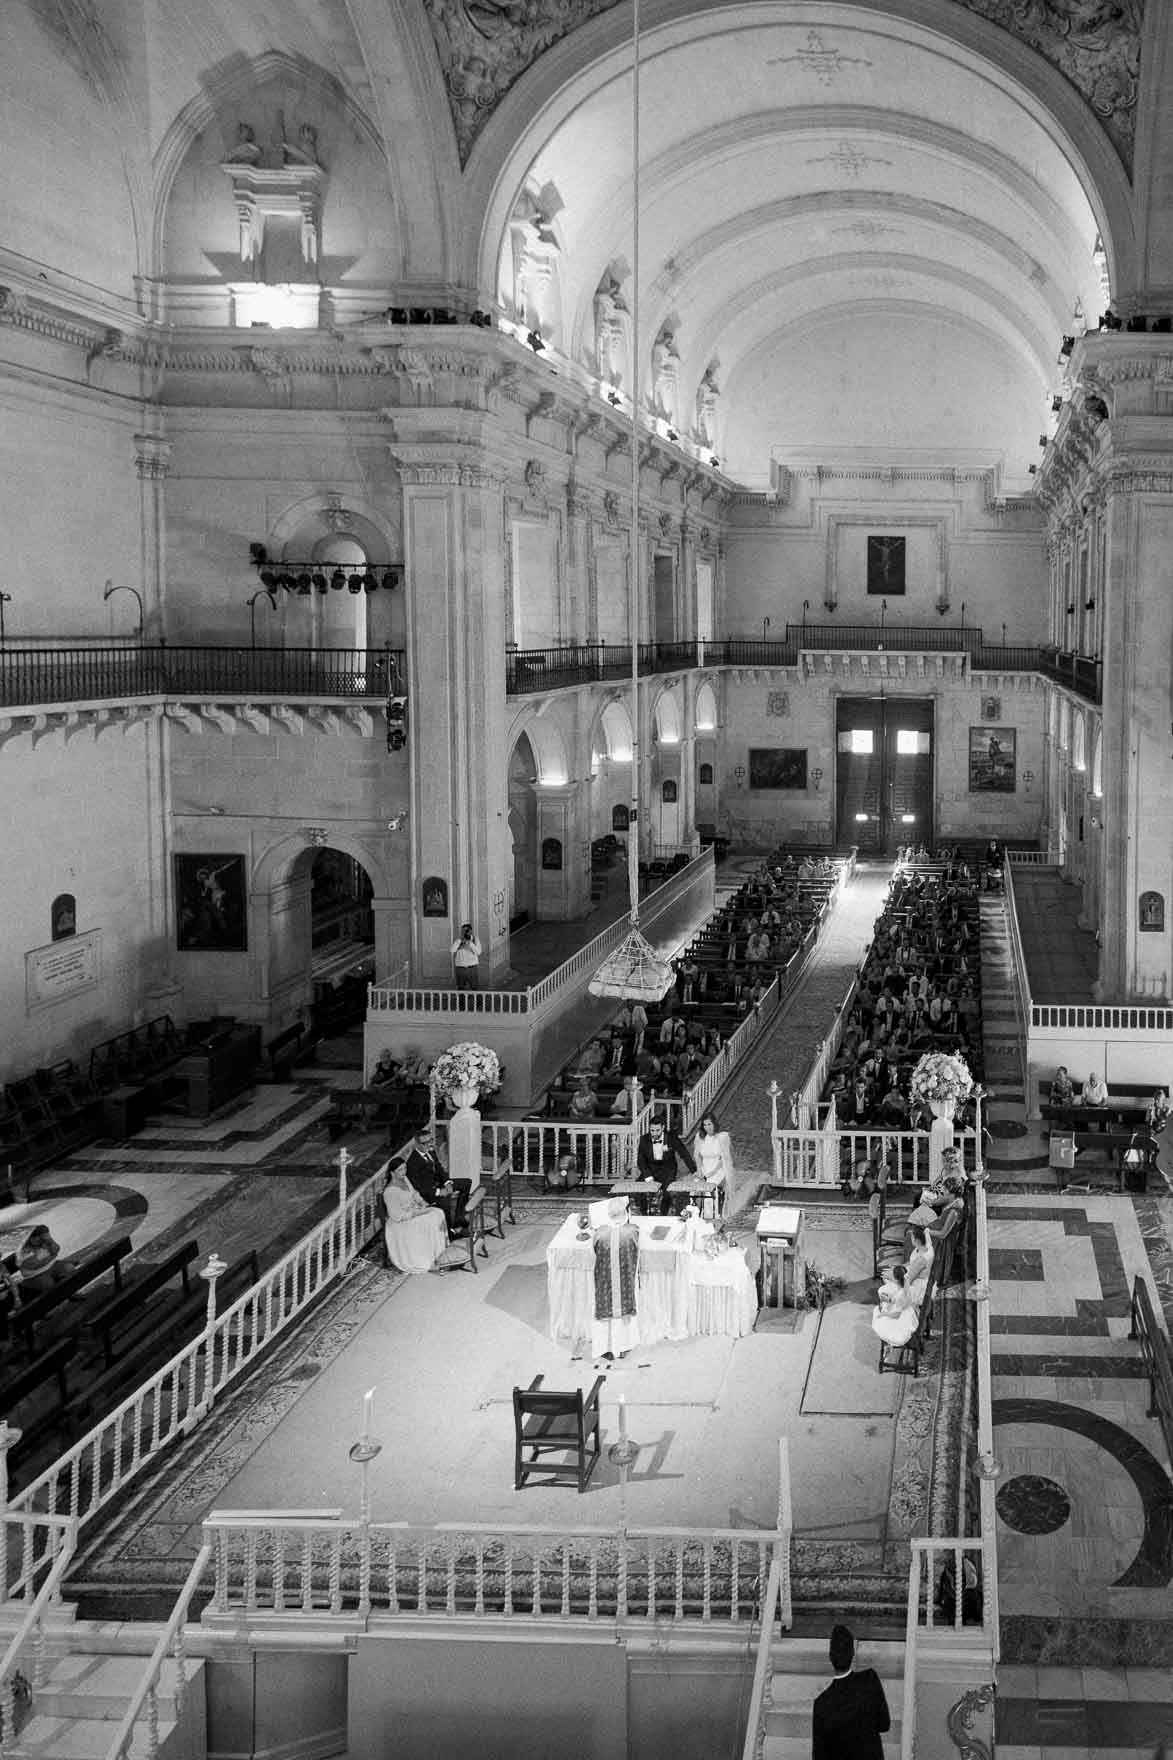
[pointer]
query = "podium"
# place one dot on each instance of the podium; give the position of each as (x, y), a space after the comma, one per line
(780, 1277)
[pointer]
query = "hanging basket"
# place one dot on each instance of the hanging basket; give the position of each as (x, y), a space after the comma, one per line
(634, 972)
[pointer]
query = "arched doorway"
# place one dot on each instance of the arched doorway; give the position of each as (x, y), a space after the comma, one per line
(341, 940)
(523, 831)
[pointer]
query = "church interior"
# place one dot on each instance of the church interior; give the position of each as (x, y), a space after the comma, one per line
(685, 493)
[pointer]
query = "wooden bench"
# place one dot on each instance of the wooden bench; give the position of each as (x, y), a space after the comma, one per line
(167, 1333)
(34, 1379)
(283, 1052)
(47, 1303)
(114, 1314)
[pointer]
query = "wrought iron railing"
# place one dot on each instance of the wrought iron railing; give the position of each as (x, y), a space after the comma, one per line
(40, 675)
(557, 668)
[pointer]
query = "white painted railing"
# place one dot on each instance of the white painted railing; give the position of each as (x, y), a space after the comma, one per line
(267, 1564)
(388, 998)
(698, 1100)
(1032, 858)
(46, 1545)
(1081, 1018)
(145, 1698)
(1022, 1002)
(986, 1461)
(100, 1466)
(822, 1157)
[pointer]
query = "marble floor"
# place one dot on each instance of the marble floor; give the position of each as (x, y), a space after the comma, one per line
(1085, 1497)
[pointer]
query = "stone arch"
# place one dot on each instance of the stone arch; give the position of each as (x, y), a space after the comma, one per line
(1078, 742)
(705, 708)
(311, 530)
(551, 766)
(666, 717)
(279, 913)
(613, 724)
(1098, 762)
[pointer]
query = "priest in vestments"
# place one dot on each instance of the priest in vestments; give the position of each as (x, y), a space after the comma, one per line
(616, 1246)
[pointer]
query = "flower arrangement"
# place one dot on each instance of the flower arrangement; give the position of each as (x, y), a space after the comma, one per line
(819, 1287)
(467, 1065)
(940, 1079)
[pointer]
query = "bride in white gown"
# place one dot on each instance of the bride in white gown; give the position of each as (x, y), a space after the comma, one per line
(713, 1154)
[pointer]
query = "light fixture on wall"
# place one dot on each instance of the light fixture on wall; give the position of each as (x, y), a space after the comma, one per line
(1028, 777)
(672, 434)
(1089, 605)
(634, 972)
(816, 778)
(614, 399)
(715, 462)
(534, 339)
(739, 775)
(111, 588)
(397, 821)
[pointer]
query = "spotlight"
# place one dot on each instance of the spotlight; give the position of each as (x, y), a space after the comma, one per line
(396, 739)
(369, 584)
(338, 580)
(715, 462)
(614, 399)
(323, 587)
(393, 577)
(257, 554)
(672, 434)
(399, 315)
(1032, 470)
(319, 580)
(268, 578)
(481, 320)
(304, 583)
(355, 583)
(1043, 440)
(534, 339)
(1066, 346)
(1056, 405)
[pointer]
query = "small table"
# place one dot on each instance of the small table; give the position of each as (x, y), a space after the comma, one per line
(637, 1191)
(779, 1233)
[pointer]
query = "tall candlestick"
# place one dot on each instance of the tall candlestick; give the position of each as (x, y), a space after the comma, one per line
(368, 1411)
(622, 1417)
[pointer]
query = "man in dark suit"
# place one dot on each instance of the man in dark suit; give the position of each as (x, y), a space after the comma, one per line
(851, 1715)
(662, 1156)
(429, 1176)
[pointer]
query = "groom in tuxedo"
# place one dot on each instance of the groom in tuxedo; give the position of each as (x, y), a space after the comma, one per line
(429, 1176)
(851, 1715)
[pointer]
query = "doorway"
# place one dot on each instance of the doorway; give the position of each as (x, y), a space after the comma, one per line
(884, 773)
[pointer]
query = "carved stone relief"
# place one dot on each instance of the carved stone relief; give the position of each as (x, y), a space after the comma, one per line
(484, 48)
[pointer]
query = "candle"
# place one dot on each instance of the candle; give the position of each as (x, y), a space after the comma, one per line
(622, 1418)
(368, 1410)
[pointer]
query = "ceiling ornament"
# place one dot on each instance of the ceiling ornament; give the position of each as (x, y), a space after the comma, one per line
(847, 158)
(826, 63)
(485, 46)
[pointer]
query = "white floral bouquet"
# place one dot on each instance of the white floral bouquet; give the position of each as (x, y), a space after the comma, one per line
(940, 1078)
(467, 1065)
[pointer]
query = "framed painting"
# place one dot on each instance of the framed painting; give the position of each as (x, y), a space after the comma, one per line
(210, 904)
(435, 896)
(886, 564)
(1152, 913)
(993, 760)
(777, 767)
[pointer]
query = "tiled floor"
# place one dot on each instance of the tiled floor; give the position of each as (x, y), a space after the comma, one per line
(1085, 1495)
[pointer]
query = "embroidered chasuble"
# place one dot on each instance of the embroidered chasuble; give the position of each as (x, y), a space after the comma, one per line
(616, 1255)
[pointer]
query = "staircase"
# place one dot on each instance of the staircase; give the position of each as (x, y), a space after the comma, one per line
(801, 1671)
(76, 1713)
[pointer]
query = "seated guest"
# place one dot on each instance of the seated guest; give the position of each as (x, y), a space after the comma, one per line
(1062, 1091)
(1095, 1091)
(919, 1260)
(895, 1317)
(647, 1068)
(591, 1060)
(584, 1102)
(36, 1256)
(621, 1105)
(427, 1173)
(565, 1175)
(386, 1070)
(894, 1108)
(937, 1220)
(1157, 1111)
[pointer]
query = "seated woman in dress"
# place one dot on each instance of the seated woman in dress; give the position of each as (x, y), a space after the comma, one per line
(1157, 1111)
(895, 1316)
(1062, 1091)
(919, 1261)
(584, 1102)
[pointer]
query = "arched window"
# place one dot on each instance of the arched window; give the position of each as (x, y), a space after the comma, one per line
(1098, 763)
(1078, 744)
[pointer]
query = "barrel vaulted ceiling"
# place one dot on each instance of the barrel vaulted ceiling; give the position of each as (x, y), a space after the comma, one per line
(865, 228)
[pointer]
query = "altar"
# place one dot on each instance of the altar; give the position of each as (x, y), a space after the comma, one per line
(680, 1292)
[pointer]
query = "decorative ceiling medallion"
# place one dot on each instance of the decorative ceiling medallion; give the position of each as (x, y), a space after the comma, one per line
(816, 57)
(848, 159)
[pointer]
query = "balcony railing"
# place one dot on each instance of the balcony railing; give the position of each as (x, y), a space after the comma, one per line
(40, 675)
(529, 670)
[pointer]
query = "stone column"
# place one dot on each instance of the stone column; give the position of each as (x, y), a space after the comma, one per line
(560, 822)
(1138, 776)
(454, 541)
(152, 457)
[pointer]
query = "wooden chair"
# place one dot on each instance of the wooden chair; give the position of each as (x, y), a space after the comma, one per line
(565, 1425)
(901, 1358)
(1138, 1161)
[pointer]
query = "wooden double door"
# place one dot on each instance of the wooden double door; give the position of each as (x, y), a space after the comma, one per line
(884, 773)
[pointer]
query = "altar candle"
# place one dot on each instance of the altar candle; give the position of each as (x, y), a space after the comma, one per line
(622, 1418)
(368, 1410)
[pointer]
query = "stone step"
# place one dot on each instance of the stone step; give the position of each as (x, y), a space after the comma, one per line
(99, 1688)
(799, 1747)
(45, 1737)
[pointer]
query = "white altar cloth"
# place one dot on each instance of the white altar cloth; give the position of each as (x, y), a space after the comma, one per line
(678, 1294)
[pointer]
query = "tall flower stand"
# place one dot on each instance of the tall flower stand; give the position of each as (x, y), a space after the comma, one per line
(940, 1135)
(464, 1137)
